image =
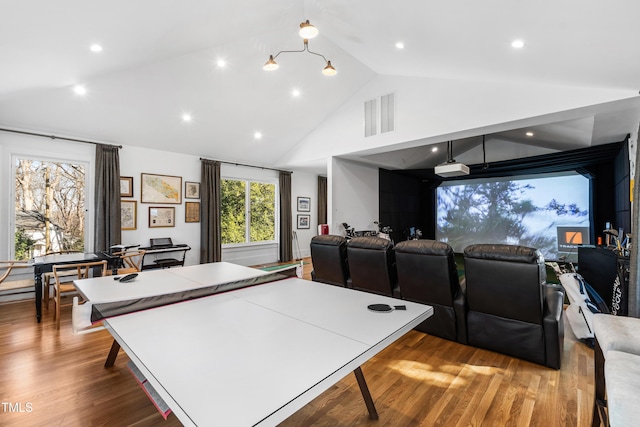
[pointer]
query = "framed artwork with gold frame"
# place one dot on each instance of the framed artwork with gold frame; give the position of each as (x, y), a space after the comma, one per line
(162, 216)
(128, 214)
(160, 189)
(192, 212)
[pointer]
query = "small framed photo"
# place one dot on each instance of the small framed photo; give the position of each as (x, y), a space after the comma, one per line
(160, 188)
(191, 211)
(128, 214)
(304, 221)
(126, 186)
(304, 204)
(162, 216)
(191, 190)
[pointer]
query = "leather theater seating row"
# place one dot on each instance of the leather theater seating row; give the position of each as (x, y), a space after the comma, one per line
(503, 303)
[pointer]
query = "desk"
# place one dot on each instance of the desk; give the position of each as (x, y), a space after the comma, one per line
(44, 264)
(253, 356)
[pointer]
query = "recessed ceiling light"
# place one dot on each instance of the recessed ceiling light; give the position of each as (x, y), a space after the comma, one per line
(400, 45)
(186, 117)
(434, 149)
(221, 63)
(95, 48)
(529, 133)
(517, 44)
(295, 93)
(257, 135)
(79, 90)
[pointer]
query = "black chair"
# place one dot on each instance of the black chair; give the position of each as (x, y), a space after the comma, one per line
(372, 265)
(511, 308)
(427, 274)
(329, 258)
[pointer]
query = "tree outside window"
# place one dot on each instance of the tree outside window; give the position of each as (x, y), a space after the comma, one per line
(248, 211)
(49, 208)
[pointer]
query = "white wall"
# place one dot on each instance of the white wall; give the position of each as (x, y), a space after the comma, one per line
(435, 110)
(133, 162)
(304, 184)
(353, 195)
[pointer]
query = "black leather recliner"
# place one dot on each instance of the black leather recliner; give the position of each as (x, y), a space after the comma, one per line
(511, 308)
(372, 265)
(427, 274)
(329, 258)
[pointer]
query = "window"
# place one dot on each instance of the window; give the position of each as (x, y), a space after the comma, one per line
(248, 211)
(49, 207)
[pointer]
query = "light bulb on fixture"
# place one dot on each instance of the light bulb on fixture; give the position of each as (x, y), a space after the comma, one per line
(307, 31)
(270, 65)
(329, 70)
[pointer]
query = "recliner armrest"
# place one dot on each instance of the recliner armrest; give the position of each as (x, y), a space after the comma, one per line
(554, 300)
(553, 325)
(460, 310)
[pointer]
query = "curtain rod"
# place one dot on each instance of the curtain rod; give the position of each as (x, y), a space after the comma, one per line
(249, 166)
(57, 137)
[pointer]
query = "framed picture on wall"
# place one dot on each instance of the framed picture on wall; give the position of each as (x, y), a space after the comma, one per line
(304, 221)
(304, 204)
(162, 216)
(191, 190)
(192, 212)
(161, 188)
(126, 186)
(128, 214)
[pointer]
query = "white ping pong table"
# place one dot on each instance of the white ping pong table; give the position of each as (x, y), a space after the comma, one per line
(251, 356)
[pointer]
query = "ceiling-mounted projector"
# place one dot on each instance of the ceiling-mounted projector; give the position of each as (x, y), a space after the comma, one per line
(451, 167)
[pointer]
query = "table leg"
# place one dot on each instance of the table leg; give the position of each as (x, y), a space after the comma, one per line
(373, 414)
(113, 353)
(37, 279)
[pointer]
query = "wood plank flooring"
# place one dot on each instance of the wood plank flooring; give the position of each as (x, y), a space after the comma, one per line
(55, 378)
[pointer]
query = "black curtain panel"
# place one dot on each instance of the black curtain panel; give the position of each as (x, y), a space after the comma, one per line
(322, 199)
(210, 232)
(286, 225)
(107, 198)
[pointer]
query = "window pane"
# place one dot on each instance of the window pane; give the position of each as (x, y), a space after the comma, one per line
(232, 206)
(263, 204)
(49, 208)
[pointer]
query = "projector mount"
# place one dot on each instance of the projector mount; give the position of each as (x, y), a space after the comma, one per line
(451, 168)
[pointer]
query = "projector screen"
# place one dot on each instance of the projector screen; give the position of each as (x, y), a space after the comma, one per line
(549, 212)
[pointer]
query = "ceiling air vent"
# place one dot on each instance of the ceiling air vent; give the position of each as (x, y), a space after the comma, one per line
(387, 113)
(370, 115)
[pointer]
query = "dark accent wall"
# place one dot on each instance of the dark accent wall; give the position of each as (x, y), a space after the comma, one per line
(603, 197)
(408, 197)
(622, 189)
(400, 200)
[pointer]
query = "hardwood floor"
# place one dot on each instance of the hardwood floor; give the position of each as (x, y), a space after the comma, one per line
(56, 378)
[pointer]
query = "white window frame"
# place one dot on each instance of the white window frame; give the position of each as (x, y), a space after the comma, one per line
(247, 211)
(22, 147)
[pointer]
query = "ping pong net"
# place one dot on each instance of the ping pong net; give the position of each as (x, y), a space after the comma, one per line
(103, 311)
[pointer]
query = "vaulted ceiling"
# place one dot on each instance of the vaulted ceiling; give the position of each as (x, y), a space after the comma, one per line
(580, 66)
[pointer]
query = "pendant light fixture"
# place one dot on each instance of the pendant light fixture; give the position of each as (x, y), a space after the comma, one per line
(307, 31)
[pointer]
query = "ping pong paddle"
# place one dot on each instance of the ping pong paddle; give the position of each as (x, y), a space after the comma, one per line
(385, 308)
(128, 277)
